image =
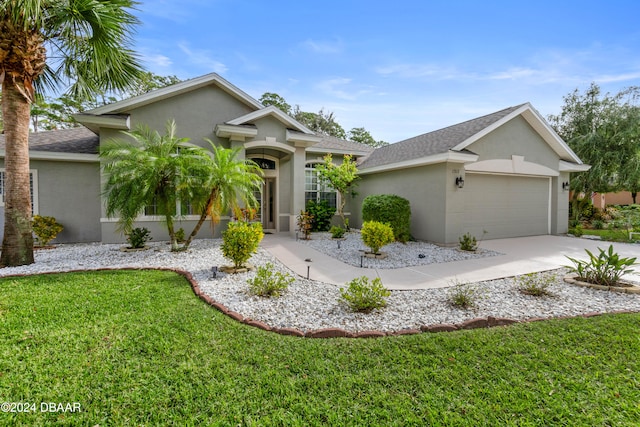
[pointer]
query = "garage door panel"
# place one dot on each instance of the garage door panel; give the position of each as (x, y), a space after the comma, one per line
(506, 206)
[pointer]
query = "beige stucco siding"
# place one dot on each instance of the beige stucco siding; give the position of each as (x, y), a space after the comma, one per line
(425, 189)
(69, 192)
(196, 113)
(515, 137)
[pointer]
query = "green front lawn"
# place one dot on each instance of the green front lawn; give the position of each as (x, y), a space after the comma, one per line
(138, 348)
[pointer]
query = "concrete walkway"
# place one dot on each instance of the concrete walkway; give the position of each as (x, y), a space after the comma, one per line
(521, 255)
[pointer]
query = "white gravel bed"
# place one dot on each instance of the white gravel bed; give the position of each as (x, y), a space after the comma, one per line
(399, 254)
(309, 305)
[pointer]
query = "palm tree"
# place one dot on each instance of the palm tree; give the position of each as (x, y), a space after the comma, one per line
(86, 44)
(153, 169)
(231, 183)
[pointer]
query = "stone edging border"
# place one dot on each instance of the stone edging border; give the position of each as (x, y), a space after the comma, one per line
(573, 279)
(477, 323)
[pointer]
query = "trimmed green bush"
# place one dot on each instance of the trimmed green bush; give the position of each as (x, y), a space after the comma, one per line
(363, 296)
(376, 234)
(337, 232)
(391, 209)
(240, 240)
(138, 238)
(266, 283)
(322, 214)
(46, 228)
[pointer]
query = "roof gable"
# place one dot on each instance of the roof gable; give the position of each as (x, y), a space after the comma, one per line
(459, 137)
(177, 89)
(275, 112)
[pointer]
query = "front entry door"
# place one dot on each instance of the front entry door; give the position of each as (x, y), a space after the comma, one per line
(267, 205)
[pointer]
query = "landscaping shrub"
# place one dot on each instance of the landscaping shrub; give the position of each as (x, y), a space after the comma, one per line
(597, 224)
(391, 209)
(363, 296)
(180, 235)
(468, 242)
(376, 234)
(462, 295)
(322, 214)
(604, 269)
(576, 231)
(240, 240)
(266, 283)
(46, 228)
(337, 232)
(138, 238)
(535, 284)
(305, 223)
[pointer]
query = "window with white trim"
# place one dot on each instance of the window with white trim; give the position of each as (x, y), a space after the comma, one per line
(33, 189)
(315, 189)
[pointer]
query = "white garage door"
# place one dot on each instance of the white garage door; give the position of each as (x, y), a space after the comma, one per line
(506, 206)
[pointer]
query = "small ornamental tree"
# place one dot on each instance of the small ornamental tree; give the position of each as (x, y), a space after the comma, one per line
(342, 178)
(376, 234)
(240, 240)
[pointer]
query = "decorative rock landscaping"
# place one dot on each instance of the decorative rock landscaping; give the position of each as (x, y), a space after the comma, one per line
(311, 308)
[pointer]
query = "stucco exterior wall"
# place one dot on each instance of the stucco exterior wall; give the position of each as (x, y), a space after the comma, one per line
(424, 187)
(70, 192)
(515, 137)
(196, 113)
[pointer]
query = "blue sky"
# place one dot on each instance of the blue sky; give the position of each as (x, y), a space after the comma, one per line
(399, 68)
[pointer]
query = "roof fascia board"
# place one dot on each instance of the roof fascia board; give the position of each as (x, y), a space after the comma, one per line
(573, 167)
(302, 139)
(315, 150)
(176, 89)
(449, 156)
(230, 131)
(60, 157)
(113, 122)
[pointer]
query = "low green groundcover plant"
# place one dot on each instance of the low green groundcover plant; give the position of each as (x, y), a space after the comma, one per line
(376, 235)
(364, 296)
(463, 295)
(606, 269)
(536, 284)
(268, 283)
(468, 242)
(139, 348)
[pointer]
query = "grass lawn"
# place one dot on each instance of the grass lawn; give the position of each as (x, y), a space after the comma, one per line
(609, 235)
(138, 348)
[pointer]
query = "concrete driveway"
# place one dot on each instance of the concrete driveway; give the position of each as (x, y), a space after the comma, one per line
(521, 255)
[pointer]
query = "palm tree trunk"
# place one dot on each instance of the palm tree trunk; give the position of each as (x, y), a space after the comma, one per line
(17, 245)
(202, 219)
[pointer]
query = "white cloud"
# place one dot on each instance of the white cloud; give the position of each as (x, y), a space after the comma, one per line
(203, 58)
(156, 60)
(323, 47)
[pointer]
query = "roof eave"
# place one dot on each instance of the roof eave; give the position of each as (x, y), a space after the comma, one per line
(573, 167)
(59, 157)
(449, 156)
(94, 123)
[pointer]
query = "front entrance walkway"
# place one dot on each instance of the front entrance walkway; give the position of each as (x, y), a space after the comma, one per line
(521, 255)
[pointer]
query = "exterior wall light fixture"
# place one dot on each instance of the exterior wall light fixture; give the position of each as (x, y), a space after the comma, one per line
(565, 186)
(459, 182)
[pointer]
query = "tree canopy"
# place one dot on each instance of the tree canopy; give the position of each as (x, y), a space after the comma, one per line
(604, 131)
(81, 44)
(324, 123)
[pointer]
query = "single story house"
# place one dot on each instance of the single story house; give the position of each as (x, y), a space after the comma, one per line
(500, 175)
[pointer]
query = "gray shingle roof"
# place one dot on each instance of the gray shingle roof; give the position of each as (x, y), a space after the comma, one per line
(333, 143)
(436, 142)
(78, 140)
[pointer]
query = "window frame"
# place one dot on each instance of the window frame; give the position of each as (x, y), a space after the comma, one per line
(33, 188)
(321, 188)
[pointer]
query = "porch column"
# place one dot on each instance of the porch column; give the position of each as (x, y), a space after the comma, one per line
(298, 160)
(238, 144)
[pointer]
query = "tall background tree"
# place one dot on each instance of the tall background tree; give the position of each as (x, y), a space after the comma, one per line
(324, 123)
(604, 131)
(46, 44)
